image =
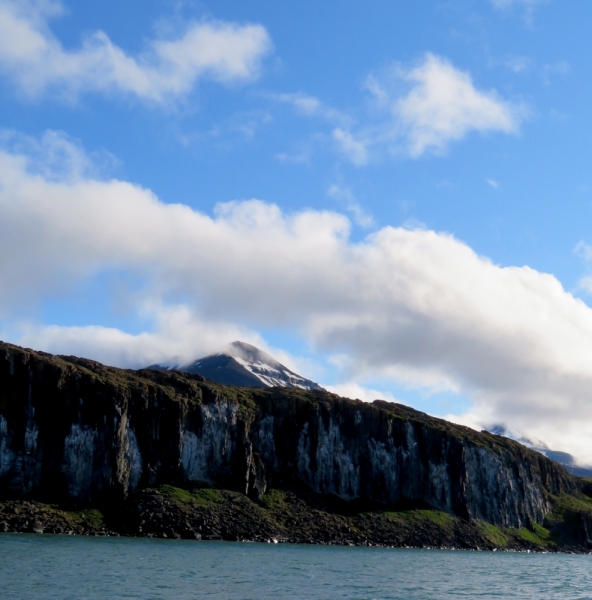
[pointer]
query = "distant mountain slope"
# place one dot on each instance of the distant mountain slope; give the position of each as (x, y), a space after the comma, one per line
(566, 460)
(243, 365)
(563, 458)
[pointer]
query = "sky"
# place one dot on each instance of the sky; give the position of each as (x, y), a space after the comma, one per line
(392, 198)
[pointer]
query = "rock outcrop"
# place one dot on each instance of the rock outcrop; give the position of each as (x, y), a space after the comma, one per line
(73, 431)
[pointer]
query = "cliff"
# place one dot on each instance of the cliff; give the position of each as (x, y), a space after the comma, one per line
(76, 433)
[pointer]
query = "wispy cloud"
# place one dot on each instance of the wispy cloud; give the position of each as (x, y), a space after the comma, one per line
(354, 148)
(439, 106)
(444, 105)
(355, 391)
(35, 60)
(299, 157)
(584, 250)
(493, 183)
(585, 283)
(415, 110)
(524, 64)
(519, 64)
(560, 67)
(345, 196)
(308, 105)
(242, 125)
(528, 6)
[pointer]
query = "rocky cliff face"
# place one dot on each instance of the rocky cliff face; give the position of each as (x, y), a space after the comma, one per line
(73, 430)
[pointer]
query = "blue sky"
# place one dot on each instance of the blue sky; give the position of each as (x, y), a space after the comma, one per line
(393, 198)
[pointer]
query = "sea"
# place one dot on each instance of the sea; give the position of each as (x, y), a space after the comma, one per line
(63, 567)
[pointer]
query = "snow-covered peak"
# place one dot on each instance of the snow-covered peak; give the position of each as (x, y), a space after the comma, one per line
(244, 365)
(251, 354)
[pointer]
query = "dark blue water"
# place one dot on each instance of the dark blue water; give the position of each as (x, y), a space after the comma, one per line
(46, 566)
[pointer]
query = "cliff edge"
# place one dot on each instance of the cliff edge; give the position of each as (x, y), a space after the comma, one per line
(79, 435)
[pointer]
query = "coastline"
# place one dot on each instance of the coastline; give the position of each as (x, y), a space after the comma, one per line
(281, 517)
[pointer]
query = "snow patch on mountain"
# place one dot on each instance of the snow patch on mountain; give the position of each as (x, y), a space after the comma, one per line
(245, 365)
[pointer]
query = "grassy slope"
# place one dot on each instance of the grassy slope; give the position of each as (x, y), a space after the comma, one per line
(560, 531)
(287, 516)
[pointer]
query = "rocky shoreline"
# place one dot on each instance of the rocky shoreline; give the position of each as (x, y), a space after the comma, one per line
(281, 517)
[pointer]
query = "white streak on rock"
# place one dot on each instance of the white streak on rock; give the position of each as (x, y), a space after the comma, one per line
(78, 461)
(384, 462)
(133, 458)
(31, 433)
(336, 472)
(303, 455)
(205, 454)
(266, 440)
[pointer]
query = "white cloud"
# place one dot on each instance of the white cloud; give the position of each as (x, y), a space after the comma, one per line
(493, 183)
(519, 64)
(424, 109)
(527, 5)
(583, 250)
(178, 334)
(309, 105)
(356, 150)
(417, 306)
(561, 67)
(443, 106)
(35, 60)
(347, 197)
(585, 284)
(300, 157)
(414, 111)
(356, 391)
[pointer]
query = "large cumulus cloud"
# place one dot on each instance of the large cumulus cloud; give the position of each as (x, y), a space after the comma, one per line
(420, 307)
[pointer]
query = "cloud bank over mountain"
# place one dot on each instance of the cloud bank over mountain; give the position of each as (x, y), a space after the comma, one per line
(417, 306)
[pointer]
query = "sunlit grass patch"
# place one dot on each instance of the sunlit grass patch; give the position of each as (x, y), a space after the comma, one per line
(493, 533)
(416, 516)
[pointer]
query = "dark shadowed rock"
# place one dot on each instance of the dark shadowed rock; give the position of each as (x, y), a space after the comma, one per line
(78, 433)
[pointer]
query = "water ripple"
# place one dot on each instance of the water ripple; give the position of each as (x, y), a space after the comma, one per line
(43, 566)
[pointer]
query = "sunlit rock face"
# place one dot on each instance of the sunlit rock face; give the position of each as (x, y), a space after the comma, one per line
(74, 430)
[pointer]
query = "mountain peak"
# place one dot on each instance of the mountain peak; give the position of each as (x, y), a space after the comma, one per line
(243, 364)
(250, 353)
